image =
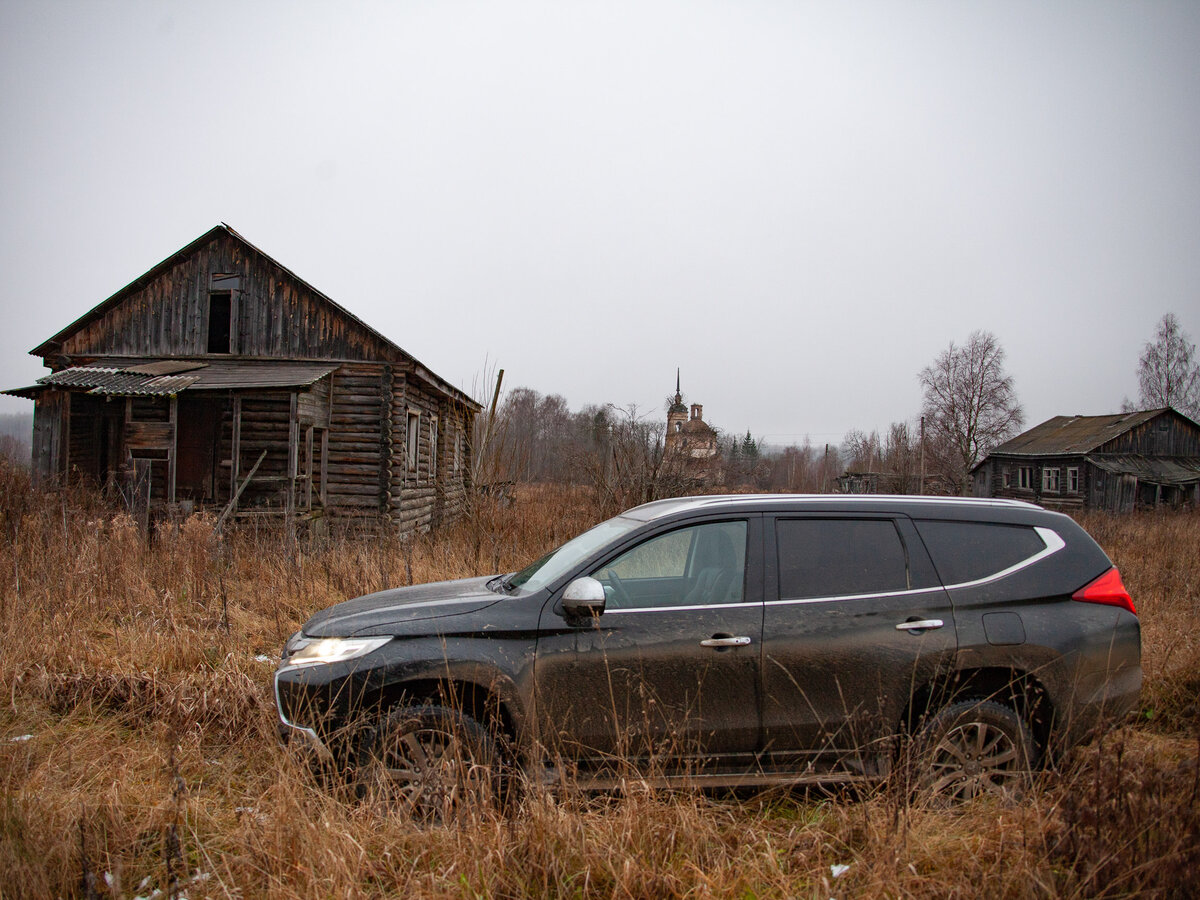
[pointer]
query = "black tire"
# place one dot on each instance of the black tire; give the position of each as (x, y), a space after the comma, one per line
(972, 748)
(431, 763)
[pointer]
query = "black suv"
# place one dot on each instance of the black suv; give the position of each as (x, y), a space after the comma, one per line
(735, 640)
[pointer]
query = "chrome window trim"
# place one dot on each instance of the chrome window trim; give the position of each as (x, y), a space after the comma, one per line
(645, 609)
(1053, 543)
(905, 593)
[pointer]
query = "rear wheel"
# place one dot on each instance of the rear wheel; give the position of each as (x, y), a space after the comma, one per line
(431, 763)
(974, 747)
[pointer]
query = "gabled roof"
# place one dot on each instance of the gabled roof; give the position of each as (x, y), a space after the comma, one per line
(51, 346)
(1074, 434)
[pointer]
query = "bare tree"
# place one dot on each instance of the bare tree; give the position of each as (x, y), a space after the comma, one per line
(970, 405)
(1168, 374)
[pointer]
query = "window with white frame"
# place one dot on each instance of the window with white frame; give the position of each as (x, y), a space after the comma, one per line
(1025, 477)
(1073, 480)
(433, 446)
(1050, 480)
(413, 437)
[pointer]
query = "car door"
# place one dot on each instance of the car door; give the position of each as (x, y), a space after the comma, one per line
(855, 622)
(669, 671)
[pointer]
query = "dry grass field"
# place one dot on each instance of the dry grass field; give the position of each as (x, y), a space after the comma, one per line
(138, 756)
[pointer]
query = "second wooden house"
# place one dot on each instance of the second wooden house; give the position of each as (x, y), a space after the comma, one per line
(1117, 463)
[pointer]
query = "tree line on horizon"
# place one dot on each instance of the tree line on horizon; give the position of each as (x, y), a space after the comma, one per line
(969, 407)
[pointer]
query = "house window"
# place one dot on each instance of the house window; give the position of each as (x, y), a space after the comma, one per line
(1050, 480)
(1025, 477)
(433, 446)
(413, 438)
(1073, 480)
(220, 309)
(457, 452)
(1007, 476)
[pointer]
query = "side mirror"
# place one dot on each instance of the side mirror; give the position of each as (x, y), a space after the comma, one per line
(584, 597)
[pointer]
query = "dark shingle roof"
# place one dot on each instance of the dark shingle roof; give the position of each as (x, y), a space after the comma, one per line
(1073, 434)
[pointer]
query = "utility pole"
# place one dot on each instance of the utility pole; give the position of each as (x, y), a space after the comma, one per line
(922, 488)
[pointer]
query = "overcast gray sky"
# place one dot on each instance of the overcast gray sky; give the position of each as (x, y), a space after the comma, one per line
(798, 204)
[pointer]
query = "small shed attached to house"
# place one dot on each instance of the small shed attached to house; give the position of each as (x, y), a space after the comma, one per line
(1116, 463)
(220, 362)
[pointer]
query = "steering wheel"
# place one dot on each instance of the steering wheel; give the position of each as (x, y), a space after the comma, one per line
(619, 593)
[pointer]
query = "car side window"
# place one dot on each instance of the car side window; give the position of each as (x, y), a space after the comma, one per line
(700, 565)
(968, 551)
(839, 557)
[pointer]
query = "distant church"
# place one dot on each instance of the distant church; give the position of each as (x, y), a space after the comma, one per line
(691, 443)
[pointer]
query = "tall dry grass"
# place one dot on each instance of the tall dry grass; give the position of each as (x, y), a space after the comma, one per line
(137, 746)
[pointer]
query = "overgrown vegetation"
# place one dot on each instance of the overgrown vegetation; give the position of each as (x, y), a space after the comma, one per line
(138, 753)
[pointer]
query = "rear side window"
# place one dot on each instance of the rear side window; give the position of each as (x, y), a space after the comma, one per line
(839, 557)
(969, 551)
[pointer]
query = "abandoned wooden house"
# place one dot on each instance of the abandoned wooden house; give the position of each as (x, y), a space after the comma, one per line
(1116, 463)
(248, 390)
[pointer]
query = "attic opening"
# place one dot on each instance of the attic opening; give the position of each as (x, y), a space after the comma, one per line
(220, 314)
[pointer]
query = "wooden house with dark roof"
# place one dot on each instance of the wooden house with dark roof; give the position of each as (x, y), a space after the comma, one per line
(1116, 463)
(241, 387)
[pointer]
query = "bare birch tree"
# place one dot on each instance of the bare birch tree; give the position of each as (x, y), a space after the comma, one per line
(1168, 374)
(970, 404)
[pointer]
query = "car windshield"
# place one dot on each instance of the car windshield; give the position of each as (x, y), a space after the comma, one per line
(557, 562)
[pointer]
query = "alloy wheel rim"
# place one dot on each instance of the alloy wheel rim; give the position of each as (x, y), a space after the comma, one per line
(972, 759)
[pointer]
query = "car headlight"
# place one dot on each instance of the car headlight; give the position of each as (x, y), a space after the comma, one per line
(331, 650)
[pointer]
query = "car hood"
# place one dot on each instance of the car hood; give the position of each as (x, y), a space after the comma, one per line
(375, 613)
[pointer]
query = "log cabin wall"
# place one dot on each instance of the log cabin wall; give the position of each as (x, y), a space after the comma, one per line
(412, 487)
(453, 464)
(356, 454)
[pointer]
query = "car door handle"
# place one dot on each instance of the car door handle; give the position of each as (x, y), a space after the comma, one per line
(725, 641)
(920, 625)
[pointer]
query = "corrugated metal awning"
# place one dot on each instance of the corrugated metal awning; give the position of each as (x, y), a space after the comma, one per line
(151, 380)
(1177, 470)
(230, 374)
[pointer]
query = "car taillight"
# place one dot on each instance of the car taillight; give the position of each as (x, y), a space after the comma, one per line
(1108, 588)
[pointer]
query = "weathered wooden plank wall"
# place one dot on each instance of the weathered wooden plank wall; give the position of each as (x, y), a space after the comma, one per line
(276, 315)
(1164, 435)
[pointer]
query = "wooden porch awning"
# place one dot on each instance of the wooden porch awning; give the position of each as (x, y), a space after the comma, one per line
(155, 378)
(1164, 471)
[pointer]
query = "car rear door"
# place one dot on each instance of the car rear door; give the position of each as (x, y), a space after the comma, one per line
(855, 622)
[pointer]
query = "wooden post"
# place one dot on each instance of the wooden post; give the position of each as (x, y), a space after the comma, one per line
(293, 457)
(235, 451)
(324, 465)
(174, 447)
(141, 495)
(308, 467)
(921, 489)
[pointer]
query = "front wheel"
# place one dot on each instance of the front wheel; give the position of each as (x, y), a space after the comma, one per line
(431, 763)
(974, 747)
